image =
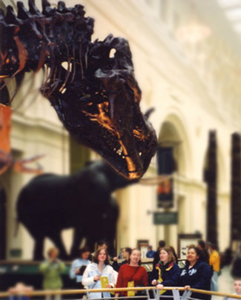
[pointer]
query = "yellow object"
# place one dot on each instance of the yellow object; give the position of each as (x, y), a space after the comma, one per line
(130, 284)
(214, 260)
(104, 281)
(160, 278)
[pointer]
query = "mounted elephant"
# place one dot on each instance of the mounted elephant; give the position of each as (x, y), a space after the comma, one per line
(50, 203)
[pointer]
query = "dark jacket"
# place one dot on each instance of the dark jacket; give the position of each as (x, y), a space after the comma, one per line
(169, 274)
(205, 256)
(198, 277)
(116, 266)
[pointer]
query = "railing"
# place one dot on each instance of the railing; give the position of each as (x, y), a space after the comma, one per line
(175, 291)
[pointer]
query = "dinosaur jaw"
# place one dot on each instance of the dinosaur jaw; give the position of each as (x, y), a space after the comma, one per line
(127, 145)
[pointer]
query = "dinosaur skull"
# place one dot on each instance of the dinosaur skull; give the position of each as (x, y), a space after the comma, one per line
(93, 92)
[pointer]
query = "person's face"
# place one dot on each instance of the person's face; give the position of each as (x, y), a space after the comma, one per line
(85, 255)
(164, 256)
(199, 247)
(192, 256)
(237, 286)
(135, 256)
(54, 253)
(124, 254)
(102, 255)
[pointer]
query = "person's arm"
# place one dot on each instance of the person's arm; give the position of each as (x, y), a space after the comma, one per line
(213, 259)
(88, 280)
(173, 277)
(114, 276)
(154, 276)
(145, 277)
(204, 277)
(44, 267)
(72, 271)
(119, 282)
(61, 266)
(112, 280)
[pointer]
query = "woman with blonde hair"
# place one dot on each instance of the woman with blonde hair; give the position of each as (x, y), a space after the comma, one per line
(166, 272)
(52, 269)
(132, 274)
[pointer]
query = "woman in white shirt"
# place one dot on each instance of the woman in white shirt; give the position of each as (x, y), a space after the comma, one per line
(99, 274)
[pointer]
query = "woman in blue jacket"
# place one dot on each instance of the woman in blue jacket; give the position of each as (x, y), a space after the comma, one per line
(166, 272)
(196, 274)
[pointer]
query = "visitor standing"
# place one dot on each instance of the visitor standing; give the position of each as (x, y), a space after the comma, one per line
(52, 268)
(99, 274)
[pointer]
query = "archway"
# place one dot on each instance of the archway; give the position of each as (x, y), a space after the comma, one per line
(173, 135)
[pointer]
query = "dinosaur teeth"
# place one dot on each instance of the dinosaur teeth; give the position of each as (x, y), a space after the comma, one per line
(119, 151)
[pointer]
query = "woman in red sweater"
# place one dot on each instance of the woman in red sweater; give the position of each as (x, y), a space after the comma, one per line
(132, 274)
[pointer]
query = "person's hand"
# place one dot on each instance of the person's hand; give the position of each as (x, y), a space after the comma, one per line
(77, 271)
(115, 258)
(154, 282)
(160, 286)
(108, 286)
(187, 287)
(97, 277)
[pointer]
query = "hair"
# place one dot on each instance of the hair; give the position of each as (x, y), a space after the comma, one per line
(162, 244)
(212, 245)
(170, 254)
(50, 250)
(129, 260)
(97, 252)
(174, 254)
(128, 249)
(102, 242)
(83, 250)
(202, 244)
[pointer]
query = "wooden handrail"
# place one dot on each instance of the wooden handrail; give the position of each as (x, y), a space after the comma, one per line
(68, 292)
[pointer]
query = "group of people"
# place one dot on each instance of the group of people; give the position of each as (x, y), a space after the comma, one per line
(101, 273)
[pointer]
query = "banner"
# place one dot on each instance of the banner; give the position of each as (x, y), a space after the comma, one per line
(166, 166)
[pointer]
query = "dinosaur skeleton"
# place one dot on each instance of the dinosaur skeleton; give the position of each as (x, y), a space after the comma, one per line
(93, 92)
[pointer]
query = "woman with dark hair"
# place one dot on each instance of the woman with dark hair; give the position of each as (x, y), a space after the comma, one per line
(78, 266)
(166, 272)
(205, 255)
(99, 274)
(132, 274)
(196, 274)
(126, 252)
